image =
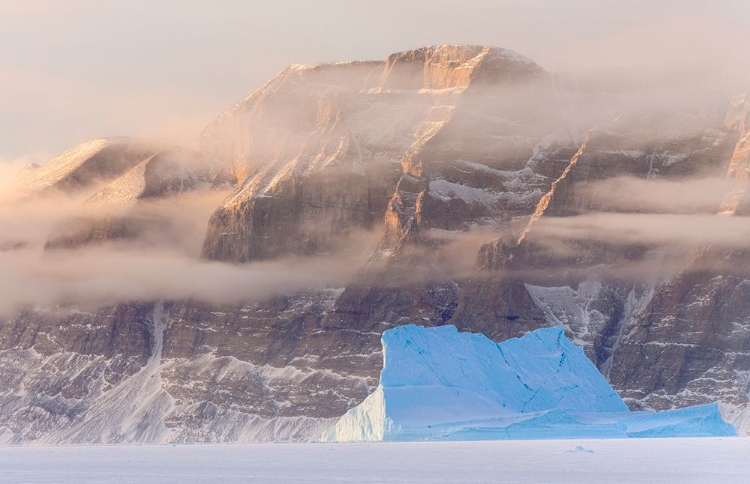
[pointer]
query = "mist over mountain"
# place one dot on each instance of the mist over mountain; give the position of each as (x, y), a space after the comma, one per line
(236, 290)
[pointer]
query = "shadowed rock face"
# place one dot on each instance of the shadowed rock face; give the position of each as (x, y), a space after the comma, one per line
(452, 153)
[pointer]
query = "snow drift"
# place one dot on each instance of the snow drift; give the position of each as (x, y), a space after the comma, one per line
(441, 384)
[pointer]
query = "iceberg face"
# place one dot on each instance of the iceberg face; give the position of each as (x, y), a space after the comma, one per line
(440, 384)
(364, 423)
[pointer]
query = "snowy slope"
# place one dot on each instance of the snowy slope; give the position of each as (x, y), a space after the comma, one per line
(168, 172)
(86, 165)
(438, 383)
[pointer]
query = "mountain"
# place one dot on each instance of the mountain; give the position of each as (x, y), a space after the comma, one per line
(124, 209)
(320, 149)
(439, 384)
(84, 167)
(502, 199)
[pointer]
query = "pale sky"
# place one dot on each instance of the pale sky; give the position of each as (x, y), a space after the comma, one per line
(78, 69)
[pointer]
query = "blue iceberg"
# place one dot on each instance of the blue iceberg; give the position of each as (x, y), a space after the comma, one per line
(442, 384)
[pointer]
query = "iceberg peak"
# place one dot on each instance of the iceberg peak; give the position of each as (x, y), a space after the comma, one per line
(439, 383)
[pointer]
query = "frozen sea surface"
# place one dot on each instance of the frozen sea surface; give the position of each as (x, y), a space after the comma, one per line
(652, 461)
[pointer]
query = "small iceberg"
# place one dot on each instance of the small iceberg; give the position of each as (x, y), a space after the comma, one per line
(580, 450)
(442, 384)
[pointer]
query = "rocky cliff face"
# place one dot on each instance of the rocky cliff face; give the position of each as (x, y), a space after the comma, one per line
(183, 372)
(462, 160)
(659, 341)
(323, 148)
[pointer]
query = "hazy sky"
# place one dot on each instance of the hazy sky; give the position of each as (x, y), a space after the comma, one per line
(77, 69)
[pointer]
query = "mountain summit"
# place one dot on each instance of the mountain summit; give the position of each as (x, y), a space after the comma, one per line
(295, 139)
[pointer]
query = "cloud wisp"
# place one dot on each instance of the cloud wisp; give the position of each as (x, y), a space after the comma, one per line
(160, 262)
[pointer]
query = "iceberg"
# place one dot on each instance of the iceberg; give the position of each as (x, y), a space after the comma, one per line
(442, 384)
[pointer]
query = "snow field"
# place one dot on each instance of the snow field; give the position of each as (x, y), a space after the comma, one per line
(651, 461)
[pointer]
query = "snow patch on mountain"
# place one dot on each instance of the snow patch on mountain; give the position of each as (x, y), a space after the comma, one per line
(135, 410)
(571, 308)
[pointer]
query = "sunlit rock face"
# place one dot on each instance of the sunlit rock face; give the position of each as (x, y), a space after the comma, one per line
(738, 122)
(320, 150)
(460, 161)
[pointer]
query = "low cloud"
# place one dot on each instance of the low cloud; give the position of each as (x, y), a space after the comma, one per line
(630, 194)
(98, 276)
(160, 262)
(668, 231)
